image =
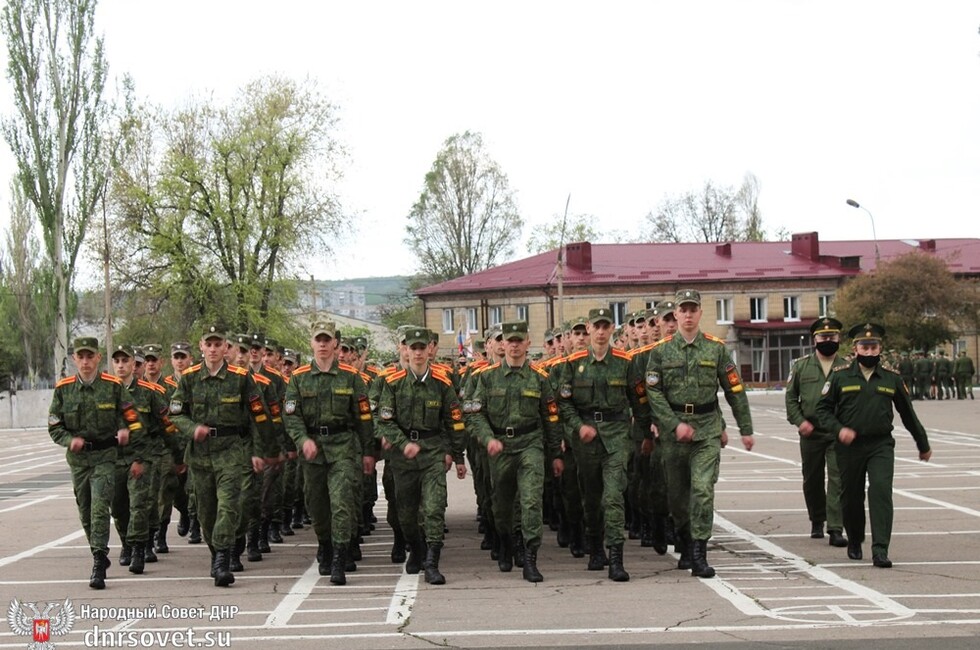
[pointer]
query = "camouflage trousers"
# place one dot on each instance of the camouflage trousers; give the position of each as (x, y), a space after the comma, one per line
(132, 501)
(93, 478)
(692, 471)
(218, 494)
(518, 491)
(420, 487)
(330, 499)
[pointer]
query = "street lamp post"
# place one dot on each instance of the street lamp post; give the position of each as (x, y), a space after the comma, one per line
(855, 204)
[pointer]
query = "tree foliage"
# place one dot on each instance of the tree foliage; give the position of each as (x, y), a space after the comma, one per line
(221, 205)
(713, 214)
(466, 219)
(57, 70)
(915, 297)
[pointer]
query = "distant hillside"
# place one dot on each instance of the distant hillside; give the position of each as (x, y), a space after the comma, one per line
(377, 291)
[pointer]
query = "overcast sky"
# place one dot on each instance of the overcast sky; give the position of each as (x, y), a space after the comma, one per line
(615, 103)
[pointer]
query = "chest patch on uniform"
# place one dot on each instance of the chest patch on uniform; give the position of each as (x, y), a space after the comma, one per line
(255, 405)
(565, 391)
(616, 382)
(386, 413)
(343, 391)
(653, 378)
(826, 388)
(707, 363)
(581, 368)
(176, 408)
(536, 394)
(886, 390)
(290, 406)
(850, 389)
(432, 403)
(106, 406)
(232, 399)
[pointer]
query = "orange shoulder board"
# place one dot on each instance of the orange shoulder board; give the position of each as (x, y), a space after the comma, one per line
(395, 376)
(66, 381)
(642, 349)
(440, 375)
(273, 371)
(196, 367)
(574, 356)
(348, 368)
(302, 369)
(622, 354)
(170, 381)
(149, 384)
(366, 377)
(538, 369)
(260, 379)
(712, 337)
(238, 370)
(107, 377)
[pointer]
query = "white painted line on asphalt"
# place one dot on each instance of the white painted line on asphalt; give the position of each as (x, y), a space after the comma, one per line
(25, 469)
(402, 601)
(28, 504)
(40, 548)
(949, 506)
(292, 601)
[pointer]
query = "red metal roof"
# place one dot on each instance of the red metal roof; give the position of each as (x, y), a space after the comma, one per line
(701, 262)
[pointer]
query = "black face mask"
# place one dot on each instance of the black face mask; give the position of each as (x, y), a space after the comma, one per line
(869, 361)
(828, 348)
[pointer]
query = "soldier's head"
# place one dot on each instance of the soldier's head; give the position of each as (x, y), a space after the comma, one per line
(668, 319)
(600, 326)
(180, 356)
(270, 353)
(256, 348)
(867, 343)
(213, 345)
(290, 360)
(241, 344)
(123, 362)
(153, 364)
(516, 342)
(85, 354)
(578, 338)
(687, 311)
(826, 335)
(549, 343)
(418, 340)
(641, 329)
(323, 340)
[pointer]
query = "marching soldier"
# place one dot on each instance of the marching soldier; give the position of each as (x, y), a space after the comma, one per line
(963, 370)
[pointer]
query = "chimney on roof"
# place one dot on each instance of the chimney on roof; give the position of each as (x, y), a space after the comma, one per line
(807, 246)
(928, 245)
(725, 250)
(579, 256)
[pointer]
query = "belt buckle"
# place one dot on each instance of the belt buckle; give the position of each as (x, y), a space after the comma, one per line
(324, 430)
(413, 435)
(689, 409)
(597, 416)
(213, 432)
(87, 445)
(509, 432)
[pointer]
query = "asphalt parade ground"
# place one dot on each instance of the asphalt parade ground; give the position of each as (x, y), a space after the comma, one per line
(775, 586)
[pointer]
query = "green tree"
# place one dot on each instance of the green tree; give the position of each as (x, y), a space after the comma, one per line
(58, 71)
(713, 214)
(915, 297)
(466, 219)
(578, 228)
(222, 217)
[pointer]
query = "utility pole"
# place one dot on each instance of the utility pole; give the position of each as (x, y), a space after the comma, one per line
(561, 265)
(107, 292)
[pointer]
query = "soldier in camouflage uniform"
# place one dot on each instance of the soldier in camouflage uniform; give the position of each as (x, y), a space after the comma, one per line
(419, 415)
(514, 415)
(219, 410)
(91, 414)
(684, 373)
(177, 491)
(328, 417)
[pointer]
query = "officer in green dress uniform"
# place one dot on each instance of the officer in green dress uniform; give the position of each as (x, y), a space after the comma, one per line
(514, 415)
(963, 371)
(91, 414)
(684, 372)
(803, 386)
(328, 417)
(857, 407)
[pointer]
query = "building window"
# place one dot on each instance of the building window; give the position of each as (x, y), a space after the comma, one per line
(619, 312)
(471, 324)
(496, 316)
(651, 304)
(791, 308)
(758, 311)
(522, 312)
(723, 306)
(823, 305)
(447, 321)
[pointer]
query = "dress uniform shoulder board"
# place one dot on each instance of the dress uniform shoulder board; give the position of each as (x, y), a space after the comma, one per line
(541, 371)
(66, 381)
(170, 381)
(348, 368)
(384, 372)
(843, 367)
(259, 379)
(442, 366)
(666, 339)
(489, 366)
(272, 371)
(712, 337)
(195, 368)
(373, 369)
(150, 385)
(621, 354)
(107, 377)
(395, 376)
(441, 376)
(238, 370)
(574, 356)
(304, 368)
(642, 349)
(366, 377)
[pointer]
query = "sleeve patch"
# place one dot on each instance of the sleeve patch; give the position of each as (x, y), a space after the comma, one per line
(176, 407)
(386, 413)
(456, 413)
(364, 404)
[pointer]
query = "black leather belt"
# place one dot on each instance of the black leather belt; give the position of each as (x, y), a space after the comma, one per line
(604, 416)
(419, 434)
(510, 432)
(694, 409)
(99, 445)
(326, 430)
(220, 431)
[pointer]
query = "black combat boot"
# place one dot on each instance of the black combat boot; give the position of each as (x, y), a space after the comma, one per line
(138, 560)
(684, 546)
(252, 544)
(338, 565)
(616, 571)
(355, 551)
(183, 524)
(531, 573)
(576, 541)
(125, 554)
(161, 538)
(597, 557)
(149, 553)
(100, 562)
(324, 556)
(658, 533)
(518, 550)
(699, 560)
(274, 535)
(416, 556)
(564, 533)
(285, 529)
(505, 556)
(432, 575)
(494, 544)
(235, 560)
(298, 517)
(194, 532)
(264, 536)
(222, 576)
(646, 532)
(398, 548)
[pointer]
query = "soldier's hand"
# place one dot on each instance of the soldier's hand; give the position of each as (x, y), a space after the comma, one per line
(447, 461)
(587, 434)
(76, 444)
(684, 432)
(557, 467)
(272, 463)
(724, 438)
(257, 464)
(201, 432)
(411, 450)
(494, 447)
(309, 449)
(180, 469)
(924, 456)
(646, 447)
(123, 436)
(806, 428)
(136, 469)
(748, 442)
(385, 444)
(461, 470)
(846, 435)
(367, 463)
